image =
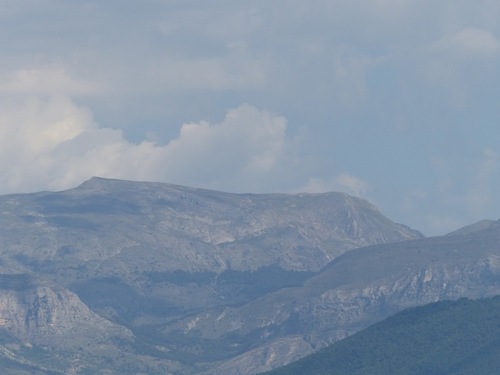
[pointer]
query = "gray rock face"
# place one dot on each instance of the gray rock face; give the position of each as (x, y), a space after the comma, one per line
(154, 278)
(42, 314)
(46, 329)
(361, 287)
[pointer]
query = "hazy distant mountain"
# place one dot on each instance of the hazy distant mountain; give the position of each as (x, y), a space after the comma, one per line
(105, 275)
(459, 338)
(476, 227)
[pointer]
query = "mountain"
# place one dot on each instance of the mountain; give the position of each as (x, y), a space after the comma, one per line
(195, 229)
(136, 277)
(37, 316)
(476, 227)
(460, 338)
(357, 289)
(120, 277)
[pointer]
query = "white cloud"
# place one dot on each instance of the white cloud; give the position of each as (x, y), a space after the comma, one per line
(55, 144)
(469, 42)
(353, 184)
(454, 68)
(344, 182)
(247, 144)
(316, 185)
(46, 81)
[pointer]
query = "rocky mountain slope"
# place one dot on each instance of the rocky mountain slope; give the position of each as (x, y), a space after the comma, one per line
(355, 290)
(113, 275)
(127, 278)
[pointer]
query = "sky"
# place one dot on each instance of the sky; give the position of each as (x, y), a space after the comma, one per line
(394, 101)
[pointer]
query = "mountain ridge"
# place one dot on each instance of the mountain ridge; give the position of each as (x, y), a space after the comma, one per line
(219, 283)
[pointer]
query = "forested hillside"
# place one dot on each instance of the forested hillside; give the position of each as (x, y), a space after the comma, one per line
(448, 337)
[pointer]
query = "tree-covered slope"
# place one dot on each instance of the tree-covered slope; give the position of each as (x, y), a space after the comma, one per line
(445, 338)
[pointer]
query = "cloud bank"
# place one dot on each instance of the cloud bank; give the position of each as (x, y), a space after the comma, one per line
(55, 144)
(374, 95)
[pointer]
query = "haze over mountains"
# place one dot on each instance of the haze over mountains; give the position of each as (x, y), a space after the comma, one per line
(136, 277)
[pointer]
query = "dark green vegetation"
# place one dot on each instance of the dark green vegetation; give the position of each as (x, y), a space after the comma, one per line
(445, 338)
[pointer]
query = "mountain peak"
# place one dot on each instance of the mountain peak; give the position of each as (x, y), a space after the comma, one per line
(476, 227)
